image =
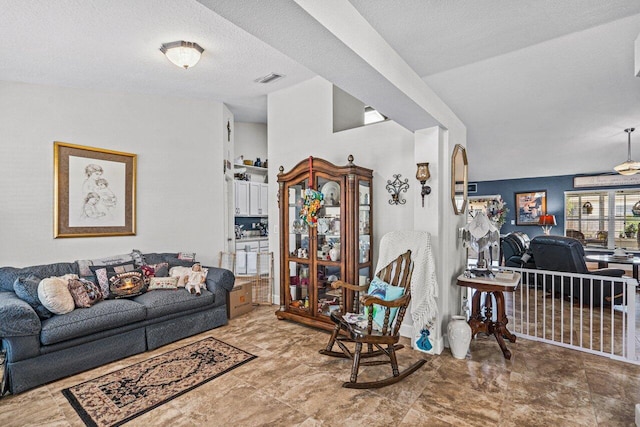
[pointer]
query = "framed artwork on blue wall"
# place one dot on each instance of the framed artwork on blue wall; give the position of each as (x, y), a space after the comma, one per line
(530, 206)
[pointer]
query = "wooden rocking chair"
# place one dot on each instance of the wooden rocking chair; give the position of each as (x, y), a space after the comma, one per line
(385, 341)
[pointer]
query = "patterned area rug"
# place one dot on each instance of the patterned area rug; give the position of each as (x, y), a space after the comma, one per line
(118, 397)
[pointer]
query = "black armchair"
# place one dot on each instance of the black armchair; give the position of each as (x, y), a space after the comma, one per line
(515, 250)
(566, 254)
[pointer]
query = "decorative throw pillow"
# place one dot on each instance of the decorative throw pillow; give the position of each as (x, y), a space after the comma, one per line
(155, 270)
(181, 273)
(381, 289)
(54, 294)
(101, 273)
(85, 293)
(125, 285)
(187, 256)
(102, 280)
(26, 288)
(138, 258)
(85, 264)
(163, 283)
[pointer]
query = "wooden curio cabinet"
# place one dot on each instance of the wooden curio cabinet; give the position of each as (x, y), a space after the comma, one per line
(338, 247)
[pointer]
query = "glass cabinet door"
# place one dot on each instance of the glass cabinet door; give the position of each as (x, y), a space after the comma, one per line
(364, 232)
(328, 248)
(299, 249)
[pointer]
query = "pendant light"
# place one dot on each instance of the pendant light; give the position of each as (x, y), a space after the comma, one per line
(629, 167)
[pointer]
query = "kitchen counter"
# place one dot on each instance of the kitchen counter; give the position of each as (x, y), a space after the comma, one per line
(253, 239)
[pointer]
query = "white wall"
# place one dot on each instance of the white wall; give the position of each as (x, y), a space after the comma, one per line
(179, 174)
(348, 111)
(300, 125)
(251, 140)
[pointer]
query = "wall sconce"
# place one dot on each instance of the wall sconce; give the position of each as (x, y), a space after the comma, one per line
(395, 187)
(181, 53)
(422, 175)
(547, 221)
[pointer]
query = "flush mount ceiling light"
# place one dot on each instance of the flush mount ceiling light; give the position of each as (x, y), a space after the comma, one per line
(629, 167)
(183, 54)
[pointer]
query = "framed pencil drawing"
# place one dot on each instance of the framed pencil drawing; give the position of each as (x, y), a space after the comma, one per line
(95, 192)
(530, 206)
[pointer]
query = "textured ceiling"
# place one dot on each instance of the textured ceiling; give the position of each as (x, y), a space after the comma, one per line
(435, 35)
(113, 45)
(526, 77)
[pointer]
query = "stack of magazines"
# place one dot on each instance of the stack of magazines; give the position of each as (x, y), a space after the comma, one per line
(356, 319)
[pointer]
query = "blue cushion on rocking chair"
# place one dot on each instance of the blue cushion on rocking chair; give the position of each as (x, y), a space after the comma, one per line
(381, 289)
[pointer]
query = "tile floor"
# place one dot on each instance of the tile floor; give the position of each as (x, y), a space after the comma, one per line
(291, 384)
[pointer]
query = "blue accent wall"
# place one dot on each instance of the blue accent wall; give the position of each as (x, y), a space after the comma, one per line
(555, 187)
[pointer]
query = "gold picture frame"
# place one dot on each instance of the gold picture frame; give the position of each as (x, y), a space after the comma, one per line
(94, 190)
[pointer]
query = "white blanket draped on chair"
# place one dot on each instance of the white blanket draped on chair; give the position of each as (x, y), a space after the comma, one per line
(424, 285)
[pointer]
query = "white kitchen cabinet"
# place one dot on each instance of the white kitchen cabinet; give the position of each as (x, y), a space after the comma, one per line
(247, 257)
(242, 197)
(258, 199)
(251, 198)
(264, 199)
(241, 262)
(254, 198)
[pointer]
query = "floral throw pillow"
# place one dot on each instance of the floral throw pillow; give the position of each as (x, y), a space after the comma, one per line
(155, 270)
(85, 293)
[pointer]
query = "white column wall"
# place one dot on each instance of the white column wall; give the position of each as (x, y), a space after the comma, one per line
(300, 125)
(179, 173)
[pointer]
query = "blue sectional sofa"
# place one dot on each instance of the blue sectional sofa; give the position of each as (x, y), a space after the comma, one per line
(40, 351)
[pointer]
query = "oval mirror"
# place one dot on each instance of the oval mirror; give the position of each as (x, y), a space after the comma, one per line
(459, 179)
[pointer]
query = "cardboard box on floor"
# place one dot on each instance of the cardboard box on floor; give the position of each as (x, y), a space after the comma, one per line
(239, 300)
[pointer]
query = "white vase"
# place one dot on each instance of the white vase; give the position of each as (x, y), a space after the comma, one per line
(459, 333)
(334, 253)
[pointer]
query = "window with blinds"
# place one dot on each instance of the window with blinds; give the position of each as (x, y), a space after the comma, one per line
(603, 219)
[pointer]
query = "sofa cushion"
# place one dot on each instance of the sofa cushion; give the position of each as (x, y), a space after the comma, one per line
(54, 294)
(8, 275)
(104, 315)
(26, 288)
(160, 303)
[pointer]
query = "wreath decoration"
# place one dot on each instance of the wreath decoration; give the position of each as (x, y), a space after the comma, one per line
(497, 211)
(313, 201)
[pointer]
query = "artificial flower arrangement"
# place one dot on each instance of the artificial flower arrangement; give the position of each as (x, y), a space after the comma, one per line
(497, 211)
(313, 201)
